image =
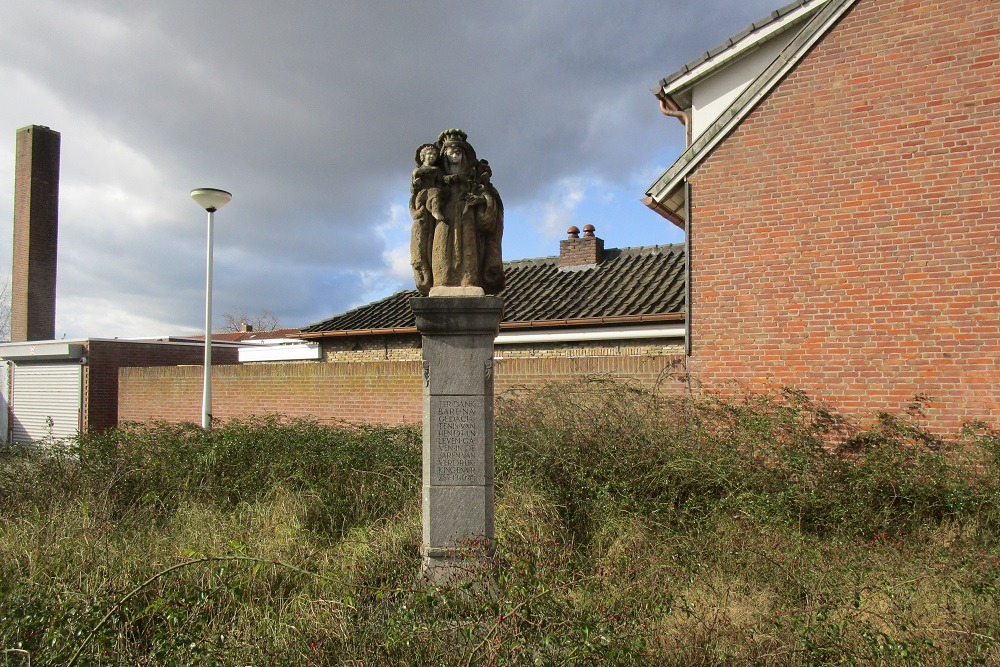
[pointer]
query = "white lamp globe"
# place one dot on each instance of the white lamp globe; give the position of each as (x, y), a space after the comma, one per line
(210, 199)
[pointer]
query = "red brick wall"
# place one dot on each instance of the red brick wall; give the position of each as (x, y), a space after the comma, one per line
(36, 231)
(106, 357)
(581, 251)
(846, 238)
(382, 392)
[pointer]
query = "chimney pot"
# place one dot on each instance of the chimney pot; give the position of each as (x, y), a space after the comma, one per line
(581, 252)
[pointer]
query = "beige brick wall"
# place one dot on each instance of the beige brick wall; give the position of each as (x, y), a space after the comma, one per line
(379, 392)
(407, 348)
(372, 348)
(636, 348)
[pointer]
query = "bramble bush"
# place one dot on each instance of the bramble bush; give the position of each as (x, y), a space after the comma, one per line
(775, 456)
(632, 528)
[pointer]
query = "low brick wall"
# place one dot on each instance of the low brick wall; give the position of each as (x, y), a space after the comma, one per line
(530, 373)
(377, 392)
(106, 357)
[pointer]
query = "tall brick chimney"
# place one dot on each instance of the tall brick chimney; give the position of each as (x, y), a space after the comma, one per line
(36, 227)
(576, 251)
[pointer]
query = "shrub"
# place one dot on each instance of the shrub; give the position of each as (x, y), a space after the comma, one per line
(357, 473)
(771, 456)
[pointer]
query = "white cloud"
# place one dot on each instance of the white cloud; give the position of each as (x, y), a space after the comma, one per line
(395, 233)
(559, 212)
(104, 318)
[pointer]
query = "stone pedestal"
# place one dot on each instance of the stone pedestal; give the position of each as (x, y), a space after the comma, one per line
(457, 336)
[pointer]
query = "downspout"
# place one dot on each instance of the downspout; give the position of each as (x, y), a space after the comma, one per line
(669, 108)
(687, 269)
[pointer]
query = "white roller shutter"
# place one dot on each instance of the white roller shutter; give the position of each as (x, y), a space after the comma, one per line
(45, 400)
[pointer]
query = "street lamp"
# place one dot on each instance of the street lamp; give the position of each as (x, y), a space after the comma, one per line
(211, 200)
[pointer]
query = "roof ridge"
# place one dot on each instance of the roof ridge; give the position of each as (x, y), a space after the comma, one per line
(624, 250)
(532, 260)
(730, 42)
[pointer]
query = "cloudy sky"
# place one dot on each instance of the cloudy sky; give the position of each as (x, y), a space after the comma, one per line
(309, 112)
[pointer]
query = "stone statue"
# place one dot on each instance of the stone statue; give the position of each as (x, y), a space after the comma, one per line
(457, 219)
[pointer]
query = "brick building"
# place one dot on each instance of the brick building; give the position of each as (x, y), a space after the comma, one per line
(841, 198)
(587, 301)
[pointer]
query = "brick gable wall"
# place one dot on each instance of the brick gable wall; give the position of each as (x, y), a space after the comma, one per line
(846, 238)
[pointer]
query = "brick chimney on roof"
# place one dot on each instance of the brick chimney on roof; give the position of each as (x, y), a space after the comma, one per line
(576, 251)
(36, 226)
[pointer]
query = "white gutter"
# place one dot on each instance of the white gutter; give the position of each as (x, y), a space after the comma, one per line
(42, 351)
(299, 351)
(617, 333)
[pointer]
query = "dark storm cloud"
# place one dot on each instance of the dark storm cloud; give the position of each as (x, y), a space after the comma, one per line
(309, 113)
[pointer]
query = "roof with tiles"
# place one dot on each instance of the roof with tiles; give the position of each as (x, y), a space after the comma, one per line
(733, 42)
(641, 284)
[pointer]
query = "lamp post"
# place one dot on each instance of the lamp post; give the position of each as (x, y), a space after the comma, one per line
(211, 200)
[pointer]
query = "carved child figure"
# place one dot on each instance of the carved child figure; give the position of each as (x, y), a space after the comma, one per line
(426, 183)
(482, 186)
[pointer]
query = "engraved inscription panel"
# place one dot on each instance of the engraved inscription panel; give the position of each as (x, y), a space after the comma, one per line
(458, 445)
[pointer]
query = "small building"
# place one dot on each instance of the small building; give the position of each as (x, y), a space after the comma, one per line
(59, 388)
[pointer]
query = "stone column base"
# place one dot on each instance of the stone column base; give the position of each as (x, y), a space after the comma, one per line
(457, 334)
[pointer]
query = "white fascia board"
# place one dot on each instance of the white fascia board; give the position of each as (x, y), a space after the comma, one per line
(41, 350)
(583, 335)
(172, 341)
(293, 352)
(264, 342)
(750, 42)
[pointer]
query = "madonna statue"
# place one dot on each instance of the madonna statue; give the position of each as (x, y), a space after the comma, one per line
(457, 219)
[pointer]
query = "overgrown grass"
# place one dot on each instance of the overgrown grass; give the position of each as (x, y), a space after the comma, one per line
(632, 529)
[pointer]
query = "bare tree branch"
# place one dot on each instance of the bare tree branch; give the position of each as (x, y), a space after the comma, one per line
(265, 320)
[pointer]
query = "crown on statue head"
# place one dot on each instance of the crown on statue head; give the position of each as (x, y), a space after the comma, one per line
(452, 136)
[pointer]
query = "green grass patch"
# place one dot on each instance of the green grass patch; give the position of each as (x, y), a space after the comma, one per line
(632, 529)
